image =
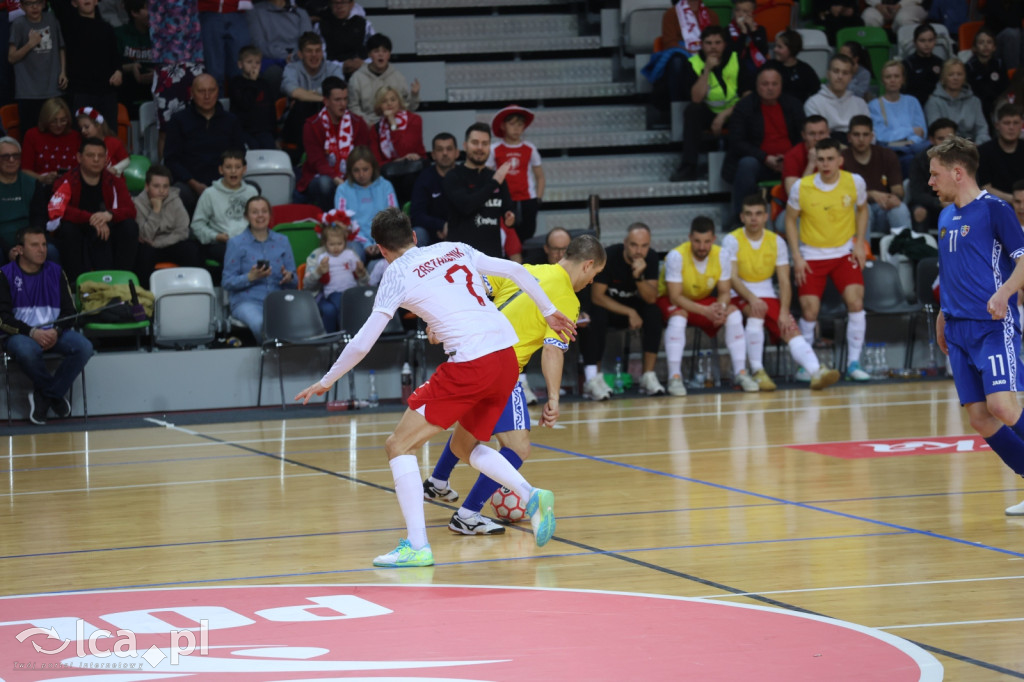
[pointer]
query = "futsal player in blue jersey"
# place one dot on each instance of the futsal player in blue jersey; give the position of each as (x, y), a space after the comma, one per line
(980, 265)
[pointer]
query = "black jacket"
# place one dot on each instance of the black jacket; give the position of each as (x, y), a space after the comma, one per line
(746, 129)
(194, 144)
(476, 205)
(429, 206)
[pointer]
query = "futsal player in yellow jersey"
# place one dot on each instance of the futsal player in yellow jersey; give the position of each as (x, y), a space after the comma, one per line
(831, 206)
(583, 259)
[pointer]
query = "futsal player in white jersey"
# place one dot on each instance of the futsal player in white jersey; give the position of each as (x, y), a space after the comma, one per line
(443, 284)
(980, 249)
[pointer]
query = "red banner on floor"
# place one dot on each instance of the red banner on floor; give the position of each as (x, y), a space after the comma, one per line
(897, 447)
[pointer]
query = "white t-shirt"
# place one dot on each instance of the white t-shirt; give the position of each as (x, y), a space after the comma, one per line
(442, 284)
(818, 253)
(342, 270)
(674, 267)
(764, 288)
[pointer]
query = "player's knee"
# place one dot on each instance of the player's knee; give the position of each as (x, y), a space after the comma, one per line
(393, 447)
(985, 422)
(1006, 414)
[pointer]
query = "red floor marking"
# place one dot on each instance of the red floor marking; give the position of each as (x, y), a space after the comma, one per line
(896, 447)
(436, 633)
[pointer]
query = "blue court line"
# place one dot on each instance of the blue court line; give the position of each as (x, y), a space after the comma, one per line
(595, 552)
(781, 500)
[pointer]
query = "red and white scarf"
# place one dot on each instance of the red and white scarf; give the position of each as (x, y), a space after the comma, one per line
(337, 140)
(755, 54)
(690, 24)
(387, 147)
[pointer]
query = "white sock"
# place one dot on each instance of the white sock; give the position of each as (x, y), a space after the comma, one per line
(754, 334)
(736, 341)
(438, 483)
(589, 372)
(522, 377)
(406, 471)
(807, 330)
(675, 345)
(492, 464)
(804, 354)
(856, 328)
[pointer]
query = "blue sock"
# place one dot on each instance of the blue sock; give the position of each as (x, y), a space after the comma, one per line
(485, 487)
(445, 464)
(1009, 446)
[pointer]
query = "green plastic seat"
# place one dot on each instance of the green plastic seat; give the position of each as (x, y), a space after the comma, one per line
(95, 329)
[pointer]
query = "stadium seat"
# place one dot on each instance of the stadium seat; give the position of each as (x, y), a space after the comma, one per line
(135, 174)
(966, 34)
(272, 169)
(149, 134)
(290, 318)
(302, 237)
(874, 39)
(816, 50)
(774, 16)
(883, 295)
(185, 307)
(639, 28)
(10, 121)
(124, 128)
(108, 329)
(295, 213)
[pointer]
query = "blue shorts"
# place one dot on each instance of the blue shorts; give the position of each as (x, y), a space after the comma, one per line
(515, 416)
(984, 357)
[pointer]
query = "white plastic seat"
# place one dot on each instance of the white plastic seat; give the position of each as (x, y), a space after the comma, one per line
(185, 307)
(272, 170)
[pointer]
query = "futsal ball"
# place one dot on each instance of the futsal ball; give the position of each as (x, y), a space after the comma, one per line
(507, 506)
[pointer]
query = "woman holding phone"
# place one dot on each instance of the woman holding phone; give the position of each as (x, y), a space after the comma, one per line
(257, 262)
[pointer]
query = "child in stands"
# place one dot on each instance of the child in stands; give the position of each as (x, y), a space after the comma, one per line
(525, 188)
(92, 124)
(163, 226)
(220, 212)
(364, 194)
(253, 100)
(332, 268)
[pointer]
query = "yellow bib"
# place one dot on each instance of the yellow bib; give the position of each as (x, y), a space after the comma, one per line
(828, 219)
(717, 99)
(699, 285)
(756, 265)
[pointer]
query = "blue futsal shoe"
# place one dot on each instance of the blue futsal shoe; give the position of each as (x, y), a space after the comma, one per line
(541, 508)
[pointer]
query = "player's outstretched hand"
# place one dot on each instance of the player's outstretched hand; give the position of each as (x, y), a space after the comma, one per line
(310, 391)
(562, 326)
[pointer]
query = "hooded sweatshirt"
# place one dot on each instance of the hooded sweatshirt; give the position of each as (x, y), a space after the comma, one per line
(837, 110)
(221, 211)
(363, 87)
(965, 110)
(165, 228)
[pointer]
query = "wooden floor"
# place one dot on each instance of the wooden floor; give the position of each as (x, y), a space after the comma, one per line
(703, 496)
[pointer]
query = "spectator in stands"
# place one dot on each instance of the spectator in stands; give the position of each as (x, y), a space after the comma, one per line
(478, 198)
(51, 148)
(429, 207)
(894, 14)
(258, 261)
(196, 139)
(92, 124)
(253, 101)
(375, 74)
(93, 62)
(332, 268)
(345, 34)
(801, 161)
(898, 119)
(880, 169)
(220, 213)
(624, 295)
(924, 204)
(860, 84)
(555, 244)
(986, 74)
(828, 242)
(683, 24)
(666, 68)
(764, 126)
(953, 99)
(749, 40)
(1001, 159)
(34, 292)
(137, 58)
(398, 142)
(328, 138)
(22, 198)
(1014, 93)
(225, 32)
(364, 194)
(97, 228)
(178, 54)
(835, 15)
(834, 100)
(275, 27)
(37, 52)
(1004, 17)
(525, 178)
(715, 83)
(923, 67)
(302, 83)
(697, 277)
(949, 13)
(799, 78)
(163, 226)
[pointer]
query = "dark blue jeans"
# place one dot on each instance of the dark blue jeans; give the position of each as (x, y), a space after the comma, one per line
(330, 311)
(75, 348)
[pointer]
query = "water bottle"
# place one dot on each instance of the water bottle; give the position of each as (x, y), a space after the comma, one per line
(883, 361)
(373, 400)
(708, 369)
(618, 387)
(870, 360)
(698, 375)
(932, 368)
(406, 382)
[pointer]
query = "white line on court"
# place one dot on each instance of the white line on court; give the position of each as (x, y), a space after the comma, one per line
(96, 489)
(956, 622)
(917, 583)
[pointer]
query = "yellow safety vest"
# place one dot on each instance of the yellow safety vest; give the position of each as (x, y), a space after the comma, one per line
(718, 100)
(696, 285)
(756, 265)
